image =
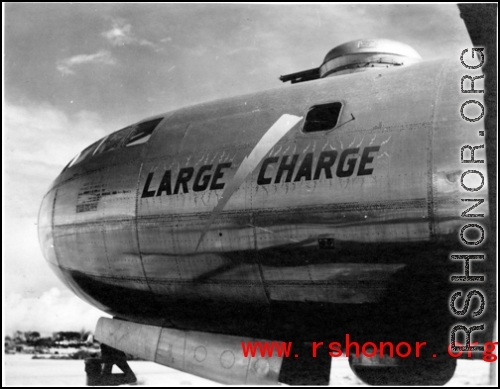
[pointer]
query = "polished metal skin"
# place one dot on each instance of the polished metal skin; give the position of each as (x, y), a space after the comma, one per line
(367, 54)
(149, 244)
(358, 56)
(232, 219)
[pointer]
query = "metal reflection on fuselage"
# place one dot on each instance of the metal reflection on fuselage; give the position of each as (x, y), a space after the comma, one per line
(312, 223)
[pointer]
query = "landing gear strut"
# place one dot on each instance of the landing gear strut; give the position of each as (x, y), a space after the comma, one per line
(99, 369)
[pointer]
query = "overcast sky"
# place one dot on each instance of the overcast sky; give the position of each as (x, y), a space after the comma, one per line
(75, 72)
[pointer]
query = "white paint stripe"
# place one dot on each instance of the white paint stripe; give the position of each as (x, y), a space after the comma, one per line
(272, 136)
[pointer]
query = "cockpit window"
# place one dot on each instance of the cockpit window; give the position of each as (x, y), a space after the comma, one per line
(142, 132)
(84, 154)
(113, 141)
(322, 117)
(126, 137)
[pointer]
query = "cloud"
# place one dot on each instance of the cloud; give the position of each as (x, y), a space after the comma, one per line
(53, 310)
(121, 34)
(66, 66)
(40, 133)
(39, 140)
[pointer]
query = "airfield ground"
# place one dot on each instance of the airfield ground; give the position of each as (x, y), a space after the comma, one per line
(21, 370)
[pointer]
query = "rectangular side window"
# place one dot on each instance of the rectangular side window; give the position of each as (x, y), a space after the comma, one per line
(142, 132)
(322, 117)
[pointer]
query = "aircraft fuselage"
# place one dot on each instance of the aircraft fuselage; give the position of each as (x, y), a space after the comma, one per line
(231, 210)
